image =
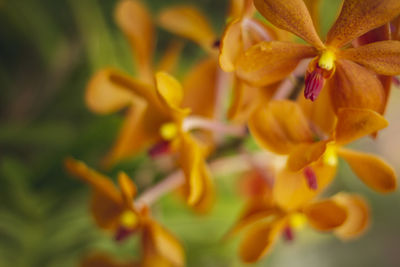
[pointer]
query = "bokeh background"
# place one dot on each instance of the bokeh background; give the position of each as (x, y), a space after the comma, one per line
(48, 51)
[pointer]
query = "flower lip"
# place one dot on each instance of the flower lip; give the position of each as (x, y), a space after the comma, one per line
(313, 83)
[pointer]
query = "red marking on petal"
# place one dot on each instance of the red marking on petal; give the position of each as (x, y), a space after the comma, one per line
(311, 178)
(161, 148)
(396, 81)
(314, 82)
(122, 233)
(288, 233)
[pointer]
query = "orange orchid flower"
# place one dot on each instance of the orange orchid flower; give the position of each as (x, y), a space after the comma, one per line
(351, 72)
(115, 210)
(290, 204)
(282, 127)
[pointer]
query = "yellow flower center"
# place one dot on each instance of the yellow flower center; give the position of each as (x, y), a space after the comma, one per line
(297, 220)
(129, 219)
(168, 131)
(327, 60)
(330, 156)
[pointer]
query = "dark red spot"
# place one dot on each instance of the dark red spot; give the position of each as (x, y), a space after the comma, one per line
(288, 233)
(314, 82)
(122, 233)
(311, 178)
(161, 148)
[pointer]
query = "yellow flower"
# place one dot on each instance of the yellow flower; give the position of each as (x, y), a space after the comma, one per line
(283, 127)
(351, 72)
(293, 204)
(114, 210)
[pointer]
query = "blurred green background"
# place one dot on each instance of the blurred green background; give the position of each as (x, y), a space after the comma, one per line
(48, 51)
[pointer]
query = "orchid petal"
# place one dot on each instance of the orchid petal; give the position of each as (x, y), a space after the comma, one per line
(354, 123)
(305, 154)
(135, 21)
(381, 57)
(292, 16)
(127, 187)
(200, 88)
(326, 215)
(360, 16)
(356, 87)
(358, 216)
(106, 202)
(270, 62)
(189, 23)
(169, 60)
(291, 190)
(259, 240)
(279, 126)
(372, 170)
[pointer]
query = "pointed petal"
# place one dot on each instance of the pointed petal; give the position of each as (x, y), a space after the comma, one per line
(358, 216)
(259, 240)
(170, 91)
(127, 187)
(106, 203)
(291, 190)
(135, 21)
(166, 244)
(199, 87)
(104, 96)
(280, 126)
(189, 23)
(240, 35)
(269, 62)
(372, 170)
(170, 58)
(326, 215)
(199, 187)
(381, 57)
(356, 87)
(360, 16)
(320, 112)
(256, 209)
(292, 16)
(305, 154)
(354, 123)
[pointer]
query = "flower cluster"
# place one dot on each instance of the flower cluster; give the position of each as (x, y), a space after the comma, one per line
(302, 102)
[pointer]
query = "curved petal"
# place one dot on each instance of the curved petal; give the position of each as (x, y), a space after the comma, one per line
(354, 123)
(326, 215)
(240, 8)
(358, 216)
(106, 202)
(305, 154)
(166, 244)
(104, 96)
(268, 62)
(290, 15)
(291, 190)
(240, 35)
(381, 57)
(189, 23)
(259, 240)
(256, 209)
(135, 21)
(127, 187)
(372, 170)
(360, 16)
(169, 89)
(199, 187)
(320, 112)
(199, 86)
(170, 58)
(280, 126)
(356, 87)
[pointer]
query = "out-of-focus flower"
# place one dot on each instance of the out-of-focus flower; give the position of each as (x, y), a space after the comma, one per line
(290, 204)
(282, 127)
(104, 260)
(114, 210)
(351, 72)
